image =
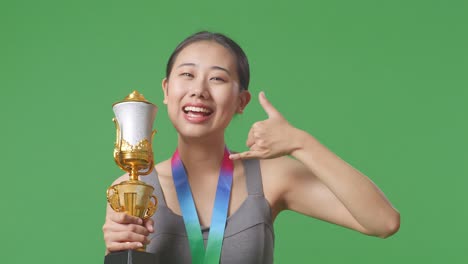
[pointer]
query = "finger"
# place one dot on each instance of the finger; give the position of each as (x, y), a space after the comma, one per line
(267, 106)
(245, 155)
(126, 236)
(123, 218)
(250, 139)
(149, 224)
(118, 246)
(137, 229)
(125, 232)
(115, 228)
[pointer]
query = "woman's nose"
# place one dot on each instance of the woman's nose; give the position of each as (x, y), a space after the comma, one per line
(200, 89)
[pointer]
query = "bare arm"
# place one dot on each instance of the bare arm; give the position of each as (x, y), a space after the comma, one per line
(318, 183)
(324, 186)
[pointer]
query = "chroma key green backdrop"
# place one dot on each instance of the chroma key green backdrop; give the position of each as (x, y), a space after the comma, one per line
(382, 83)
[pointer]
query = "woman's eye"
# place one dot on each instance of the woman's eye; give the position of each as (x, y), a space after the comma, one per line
(219, 79)
(186, 74)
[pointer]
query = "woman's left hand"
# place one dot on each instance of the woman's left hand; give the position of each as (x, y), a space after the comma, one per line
(270, 138)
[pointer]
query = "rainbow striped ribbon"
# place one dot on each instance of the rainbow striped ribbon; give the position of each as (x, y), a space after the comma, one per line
(212, 253)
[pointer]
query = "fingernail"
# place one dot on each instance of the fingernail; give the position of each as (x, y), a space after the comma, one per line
(139, 244)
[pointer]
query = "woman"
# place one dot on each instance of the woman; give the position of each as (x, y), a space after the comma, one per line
(206, 84)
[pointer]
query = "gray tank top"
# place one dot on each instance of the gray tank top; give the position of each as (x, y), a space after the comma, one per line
(248, 238)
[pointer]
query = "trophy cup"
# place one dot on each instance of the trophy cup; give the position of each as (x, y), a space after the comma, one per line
(133, 153)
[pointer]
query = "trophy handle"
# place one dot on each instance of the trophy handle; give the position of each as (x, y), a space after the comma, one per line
(118, 143)
(151, 166)
(152, 135)
(117, 134)
(113, 199)
(152, 206)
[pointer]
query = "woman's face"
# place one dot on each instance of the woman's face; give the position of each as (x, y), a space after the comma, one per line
(202, 93)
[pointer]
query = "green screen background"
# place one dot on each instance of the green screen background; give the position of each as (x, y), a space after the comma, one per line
(382, 83)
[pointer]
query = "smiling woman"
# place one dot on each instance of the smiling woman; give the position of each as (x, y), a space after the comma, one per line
(205, 71)
(217, 206)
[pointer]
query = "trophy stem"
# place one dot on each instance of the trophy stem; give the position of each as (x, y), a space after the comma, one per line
(134, 173)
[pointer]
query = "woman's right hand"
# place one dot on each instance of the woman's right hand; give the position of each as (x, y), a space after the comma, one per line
(123, 232)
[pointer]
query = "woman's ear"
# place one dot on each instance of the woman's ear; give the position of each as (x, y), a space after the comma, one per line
(244, 99)
(164, 87)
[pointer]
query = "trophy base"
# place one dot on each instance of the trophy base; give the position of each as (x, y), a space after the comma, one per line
(130, 257)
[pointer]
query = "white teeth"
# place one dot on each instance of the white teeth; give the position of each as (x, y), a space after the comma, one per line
(196, 109)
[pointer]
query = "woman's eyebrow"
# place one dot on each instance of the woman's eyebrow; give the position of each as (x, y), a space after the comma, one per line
(212, 67)
(186, 64)
(222, 69)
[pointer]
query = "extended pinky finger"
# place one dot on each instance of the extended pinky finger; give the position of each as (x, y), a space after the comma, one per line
(243, 155)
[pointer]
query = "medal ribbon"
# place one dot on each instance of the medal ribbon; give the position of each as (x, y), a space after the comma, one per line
(218, 219)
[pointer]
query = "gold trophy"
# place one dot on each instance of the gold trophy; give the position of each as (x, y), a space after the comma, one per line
(133, 153)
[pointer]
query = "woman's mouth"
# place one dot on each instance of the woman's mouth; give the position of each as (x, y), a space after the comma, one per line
(196, 114)
(195, 110)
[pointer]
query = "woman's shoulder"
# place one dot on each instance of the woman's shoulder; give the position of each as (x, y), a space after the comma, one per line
(164, 171)
(164, 167)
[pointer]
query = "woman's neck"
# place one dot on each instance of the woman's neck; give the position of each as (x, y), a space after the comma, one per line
(201, 156)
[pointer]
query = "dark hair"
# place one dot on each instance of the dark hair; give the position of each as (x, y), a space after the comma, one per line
(243, 70)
